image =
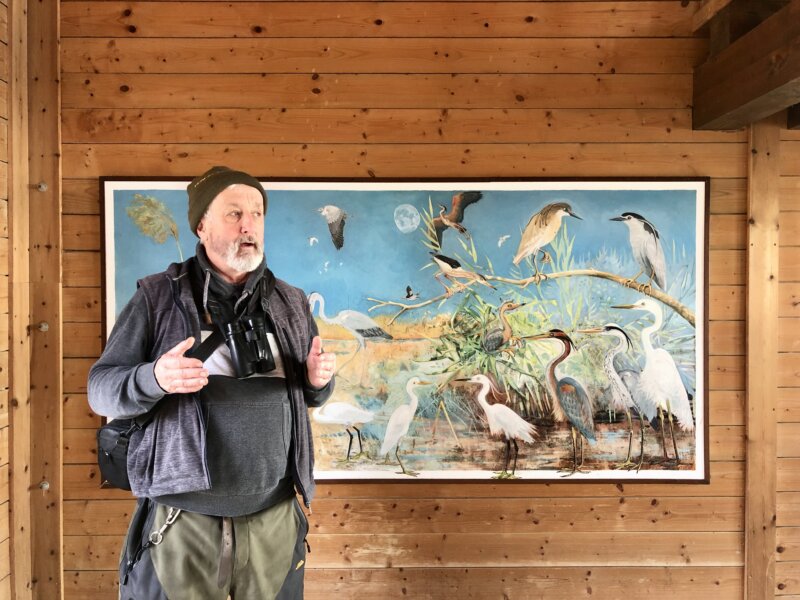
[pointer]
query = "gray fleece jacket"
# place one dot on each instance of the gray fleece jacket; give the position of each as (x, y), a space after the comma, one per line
(168, 456)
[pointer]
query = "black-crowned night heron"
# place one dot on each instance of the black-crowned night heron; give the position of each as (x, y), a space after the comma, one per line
(336, 218)
(454, 218)
(621, 397)
(501, 334)
(399, 423)
(570, 396)
(542, 229)
(346, 415)
(660, 384)
(452, 270)
(503, 423)
(647, 250)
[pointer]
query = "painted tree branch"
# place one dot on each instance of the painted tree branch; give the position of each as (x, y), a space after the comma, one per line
(674, 304)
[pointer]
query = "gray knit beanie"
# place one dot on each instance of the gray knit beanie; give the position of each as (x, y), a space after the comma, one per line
(203, 189)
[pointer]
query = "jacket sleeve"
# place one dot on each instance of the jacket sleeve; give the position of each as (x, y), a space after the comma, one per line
(122, 383)
(314, 396)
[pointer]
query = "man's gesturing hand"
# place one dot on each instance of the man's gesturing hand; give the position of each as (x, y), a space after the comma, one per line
(320, 365)
(177, 374)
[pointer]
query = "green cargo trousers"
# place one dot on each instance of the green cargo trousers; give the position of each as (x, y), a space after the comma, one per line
(179, 555)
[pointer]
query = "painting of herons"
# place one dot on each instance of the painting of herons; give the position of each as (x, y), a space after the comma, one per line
(484, 330)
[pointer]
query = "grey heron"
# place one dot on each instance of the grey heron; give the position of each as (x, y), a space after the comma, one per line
(621, 397)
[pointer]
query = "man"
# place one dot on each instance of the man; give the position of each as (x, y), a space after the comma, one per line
(228, 439)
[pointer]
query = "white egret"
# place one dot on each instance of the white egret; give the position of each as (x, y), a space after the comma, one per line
(399, 423)
(347, 415)
(503, 423)
(660, 381)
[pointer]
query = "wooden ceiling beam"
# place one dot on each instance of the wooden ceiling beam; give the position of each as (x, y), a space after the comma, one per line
(707, 11)
(755, 77)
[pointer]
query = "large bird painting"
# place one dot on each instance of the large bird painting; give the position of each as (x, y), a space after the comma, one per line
(505, 330)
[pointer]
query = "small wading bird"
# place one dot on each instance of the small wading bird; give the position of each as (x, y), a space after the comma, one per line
(570, 396)
(452, 270)
(336, 219)
(454, 218)
(358, 324)
(647, 251)
(501, 334)
(347, 415)
(503, 423)
(660, 383)
(621, 396)
(399, 423)
(542, 229)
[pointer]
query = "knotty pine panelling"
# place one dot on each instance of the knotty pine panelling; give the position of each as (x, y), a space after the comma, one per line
(418, 89)
(787, 556)
(5, 542)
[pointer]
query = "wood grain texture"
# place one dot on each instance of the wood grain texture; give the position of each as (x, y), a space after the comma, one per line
(376, 19)
(379, 55)
(368, 90)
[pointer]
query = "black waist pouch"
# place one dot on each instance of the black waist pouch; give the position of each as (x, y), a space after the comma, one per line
(113, 437)
(112, 452)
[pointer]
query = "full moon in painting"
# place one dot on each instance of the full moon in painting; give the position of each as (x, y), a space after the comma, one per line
(406, 217)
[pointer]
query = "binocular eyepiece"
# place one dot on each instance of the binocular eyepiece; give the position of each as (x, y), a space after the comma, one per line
(247, 341)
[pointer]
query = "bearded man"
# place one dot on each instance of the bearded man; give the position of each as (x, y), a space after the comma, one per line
(227, 446)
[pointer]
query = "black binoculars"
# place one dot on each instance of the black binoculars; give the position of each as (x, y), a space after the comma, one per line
(247, 341)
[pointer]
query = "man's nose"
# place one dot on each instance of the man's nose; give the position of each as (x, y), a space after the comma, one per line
(247, 223)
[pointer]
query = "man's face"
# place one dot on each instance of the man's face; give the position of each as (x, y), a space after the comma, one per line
(232, 231)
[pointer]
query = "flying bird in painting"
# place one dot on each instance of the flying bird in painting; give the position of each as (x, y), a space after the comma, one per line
(453, 219)
(502, 240)
(621, 396)
(570, 396)
(660, 384)
(399, 423)
(647, 250)
(542, 229)
(336, 219)
(503, 423)
(346, 415)
(411, 294)
(452, 270)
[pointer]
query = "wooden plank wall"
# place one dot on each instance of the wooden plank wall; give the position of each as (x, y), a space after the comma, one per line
(404, 89)
(787, 567)
(5, 542)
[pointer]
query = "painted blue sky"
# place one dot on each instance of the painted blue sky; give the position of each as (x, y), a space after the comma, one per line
(378, 260)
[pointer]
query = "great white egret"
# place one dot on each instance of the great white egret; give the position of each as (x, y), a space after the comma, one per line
(660, 382)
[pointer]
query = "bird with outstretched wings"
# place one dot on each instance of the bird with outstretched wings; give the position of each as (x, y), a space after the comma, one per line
(453, 219)
(336, 219)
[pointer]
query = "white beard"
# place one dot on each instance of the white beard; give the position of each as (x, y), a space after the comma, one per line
(242, 263)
